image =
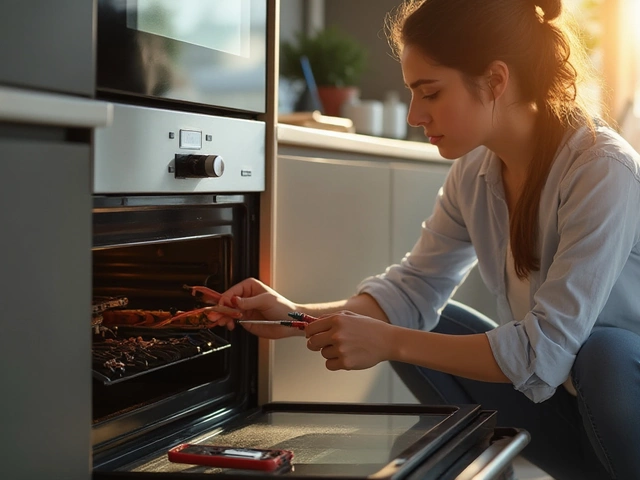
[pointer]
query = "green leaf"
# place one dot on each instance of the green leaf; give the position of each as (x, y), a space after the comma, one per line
(336, 59)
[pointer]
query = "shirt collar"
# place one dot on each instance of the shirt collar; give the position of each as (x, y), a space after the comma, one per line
(491, 167)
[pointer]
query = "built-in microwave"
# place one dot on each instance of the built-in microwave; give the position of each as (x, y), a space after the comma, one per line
(200, 53)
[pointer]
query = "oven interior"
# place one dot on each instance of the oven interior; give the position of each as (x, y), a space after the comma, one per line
(163, 379)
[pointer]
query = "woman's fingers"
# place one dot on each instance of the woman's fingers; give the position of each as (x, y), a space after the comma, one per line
(204, 294)
(319, 333)
(257, 301)
(330, 352)
(246, 288)
(347, 341)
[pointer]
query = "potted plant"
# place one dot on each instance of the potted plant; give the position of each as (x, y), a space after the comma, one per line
(337, 62)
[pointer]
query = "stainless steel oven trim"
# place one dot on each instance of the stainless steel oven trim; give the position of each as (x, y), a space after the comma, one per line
(268, 197)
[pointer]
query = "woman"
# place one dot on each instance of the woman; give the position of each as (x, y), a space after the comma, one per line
(547, 202)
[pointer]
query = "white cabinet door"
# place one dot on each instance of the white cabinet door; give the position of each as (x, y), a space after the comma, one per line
(337, 222)
(332, 230)
(414, 191)
(414, 188)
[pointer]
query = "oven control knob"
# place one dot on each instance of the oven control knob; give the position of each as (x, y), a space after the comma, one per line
(199, 166)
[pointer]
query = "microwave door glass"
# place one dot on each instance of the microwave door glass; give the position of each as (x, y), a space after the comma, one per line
(205, 53)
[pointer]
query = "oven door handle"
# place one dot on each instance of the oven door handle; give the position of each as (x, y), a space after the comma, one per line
(491, 463)
(38, 108)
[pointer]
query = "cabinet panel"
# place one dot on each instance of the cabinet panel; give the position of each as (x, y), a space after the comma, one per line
(414, 191)
(332, 224)
(413, 194)
(48, 45)
(332, 230)
(45, 303)
(337, 222)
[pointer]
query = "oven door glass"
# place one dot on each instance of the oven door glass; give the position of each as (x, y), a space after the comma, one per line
(341, 440)
(205, 52)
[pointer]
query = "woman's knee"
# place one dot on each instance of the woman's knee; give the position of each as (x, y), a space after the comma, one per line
(609, 363)
(606, 374)
(433, 387)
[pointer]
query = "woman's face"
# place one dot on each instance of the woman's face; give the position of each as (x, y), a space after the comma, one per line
(454, 120)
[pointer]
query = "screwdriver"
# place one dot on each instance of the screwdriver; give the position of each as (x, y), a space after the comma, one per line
(285, 323)
(300, 321)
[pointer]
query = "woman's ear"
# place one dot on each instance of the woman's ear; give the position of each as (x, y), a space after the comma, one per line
(497, 78)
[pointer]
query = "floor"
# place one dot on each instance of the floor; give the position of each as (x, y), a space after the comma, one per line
(527, 471)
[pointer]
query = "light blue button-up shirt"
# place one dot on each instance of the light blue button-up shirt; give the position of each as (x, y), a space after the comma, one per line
(589, 251)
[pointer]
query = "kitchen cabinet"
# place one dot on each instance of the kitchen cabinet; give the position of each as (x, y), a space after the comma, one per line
(332, 230)
(48, 45)
(45, 192)
(415, 187)
(45, 302)
(414, 190)
(343, 214)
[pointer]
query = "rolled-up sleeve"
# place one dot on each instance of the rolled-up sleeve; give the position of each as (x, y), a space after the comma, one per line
(598, 222)
(535, 364)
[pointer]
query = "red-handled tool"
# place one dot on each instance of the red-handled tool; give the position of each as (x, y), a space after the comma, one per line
(286, 323)
(302, 316)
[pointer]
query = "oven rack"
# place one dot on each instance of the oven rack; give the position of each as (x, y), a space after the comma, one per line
(135, 351)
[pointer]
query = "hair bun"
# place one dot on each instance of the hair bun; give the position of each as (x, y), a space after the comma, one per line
(550, 8)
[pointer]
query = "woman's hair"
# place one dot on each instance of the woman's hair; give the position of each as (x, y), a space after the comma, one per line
(544, 54)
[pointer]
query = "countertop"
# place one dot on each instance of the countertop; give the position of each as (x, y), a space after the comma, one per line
(357, 143)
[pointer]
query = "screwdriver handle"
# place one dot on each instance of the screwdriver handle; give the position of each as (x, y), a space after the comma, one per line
(302, 316)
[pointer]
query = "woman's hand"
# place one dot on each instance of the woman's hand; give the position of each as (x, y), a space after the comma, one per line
(349, 341)
(258, 302)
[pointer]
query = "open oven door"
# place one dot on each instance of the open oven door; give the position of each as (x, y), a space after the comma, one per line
(353, 441)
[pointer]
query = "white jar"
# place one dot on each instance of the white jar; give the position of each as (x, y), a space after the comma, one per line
(367, 116)
(394, 123)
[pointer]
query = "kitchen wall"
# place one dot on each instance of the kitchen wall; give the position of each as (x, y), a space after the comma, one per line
(384, 72)
(291, 18)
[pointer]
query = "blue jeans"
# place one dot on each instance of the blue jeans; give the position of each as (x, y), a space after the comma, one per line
(593, 436)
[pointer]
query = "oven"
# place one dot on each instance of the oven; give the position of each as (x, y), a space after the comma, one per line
(176, 202)
(177, 181)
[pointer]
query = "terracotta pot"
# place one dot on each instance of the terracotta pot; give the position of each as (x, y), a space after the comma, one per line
(332, 98)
